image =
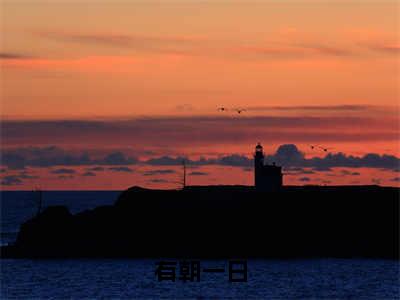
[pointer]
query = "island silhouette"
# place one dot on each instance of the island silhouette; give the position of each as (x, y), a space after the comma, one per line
(267, 220)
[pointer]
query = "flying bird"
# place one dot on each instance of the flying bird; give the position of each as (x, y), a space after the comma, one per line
(313, 146)
(239, 111)
(325, 149)
(222, 108)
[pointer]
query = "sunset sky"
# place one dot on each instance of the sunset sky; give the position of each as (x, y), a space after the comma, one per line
(109, 94)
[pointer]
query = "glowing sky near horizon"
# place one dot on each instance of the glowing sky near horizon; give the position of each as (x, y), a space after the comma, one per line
(146, 78)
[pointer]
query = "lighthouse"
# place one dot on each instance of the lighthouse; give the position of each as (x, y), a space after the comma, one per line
(267, 178)
(258, 164)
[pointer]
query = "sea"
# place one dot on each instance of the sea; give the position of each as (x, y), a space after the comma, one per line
(137, 278)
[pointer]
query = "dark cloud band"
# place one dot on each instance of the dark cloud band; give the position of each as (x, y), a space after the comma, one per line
(287, 155)
(201, 130)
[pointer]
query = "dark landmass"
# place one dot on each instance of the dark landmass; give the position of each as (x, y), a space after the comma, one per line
(221, 222)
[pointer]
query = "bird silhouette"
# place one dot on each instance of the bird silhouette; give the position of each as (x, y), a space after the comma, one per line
(239, 111)
(222, 108)
(325, 149)
(313, 146)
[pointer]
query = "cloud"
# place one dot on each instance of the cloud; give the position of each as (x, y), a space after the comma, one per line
(118, 158)
(202, 46)
(11, 180)
(19, 158)
(305, 179)
(17, 179)
(63, 171)
(326, 50)
(65, 176)
(193, 45)
(396, 179)
(157, 44)
(107, 39)
(162, 131)
(296, 171)
(12, 160)
(233, 160)
(13, 56)
(294, 50)
(157, 180)
(198, 173)
(95, 169)
(167, 161)
(228, 160)
(287, 155)
(158, 172)
(312, 108)
(89, 174)
(25, 175)
(346, 172)
(121, 169)
(385, 48)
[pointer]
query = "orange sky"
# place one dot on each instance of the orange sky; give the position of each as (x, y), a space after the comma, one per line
(118, 60)
(113, 58)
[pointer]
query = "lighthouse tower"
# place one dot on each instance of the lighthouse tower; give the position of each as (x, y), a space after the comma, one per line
(266, 177)
(258, 165)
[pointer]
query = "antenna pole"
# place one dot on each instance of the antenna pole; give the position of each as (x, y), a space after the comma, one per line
(184, 173)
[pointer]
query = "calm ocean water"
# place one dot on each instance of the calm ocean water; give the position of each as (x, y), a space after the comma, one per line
(284, 279)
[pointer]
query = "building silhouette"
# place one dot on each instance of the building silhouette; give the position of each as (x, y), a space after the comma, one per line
(266, 177)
